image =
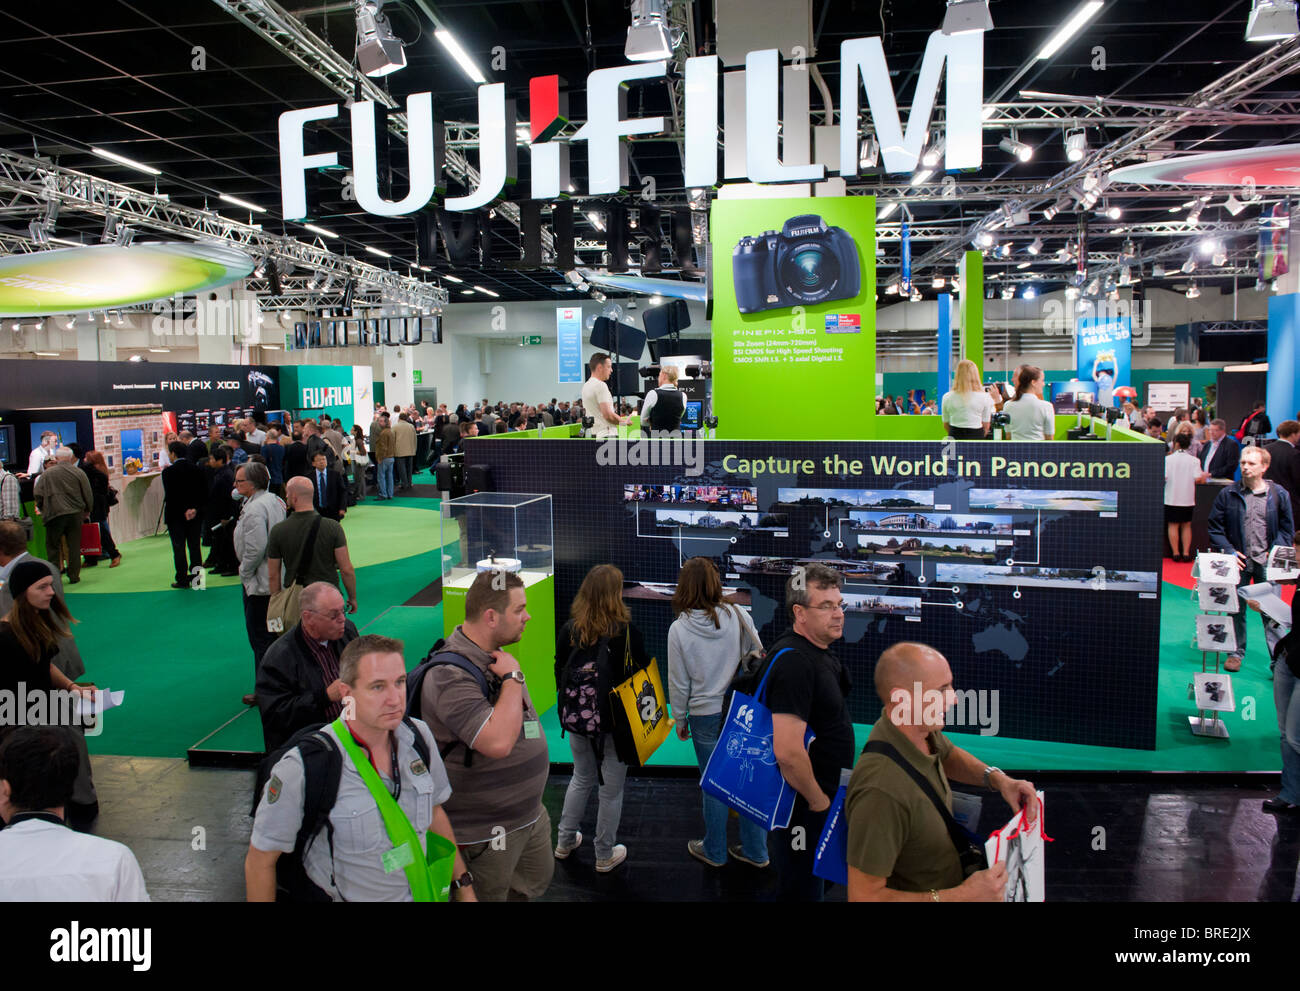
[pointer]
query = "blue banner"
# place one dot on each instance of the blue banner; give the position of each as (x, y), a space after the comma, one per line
(1104, 346)
(568, 353)
(944, 382)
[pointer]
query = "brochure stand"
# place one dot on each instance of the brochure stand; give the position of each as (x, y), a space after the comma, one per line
(1213, 626)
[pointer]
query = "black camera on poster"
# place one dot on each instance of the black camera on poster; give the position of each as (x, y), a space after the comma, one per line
(806, 263)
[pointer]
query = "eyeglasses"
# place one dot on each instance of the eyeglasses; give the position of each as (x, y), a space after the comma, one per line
(332, 614)
(827, 607)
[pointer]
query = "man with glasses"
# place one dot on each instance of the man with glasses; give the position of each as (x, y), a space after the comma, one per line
(259, 511)
(298, 681)
(807, 690)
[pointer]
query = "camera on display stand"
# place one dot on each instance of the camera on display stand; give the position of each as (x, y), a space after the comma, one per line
(1000, 423)
(806, 263)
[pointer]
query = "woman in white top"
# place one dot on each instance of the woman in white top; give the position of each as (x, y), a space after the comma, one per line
(163, 459)
(967, 409)
(1032, 417)
(1181, 472)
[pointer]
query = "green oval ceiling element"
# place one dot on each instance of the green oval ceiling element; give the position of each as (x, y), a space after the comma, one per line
(102, 276)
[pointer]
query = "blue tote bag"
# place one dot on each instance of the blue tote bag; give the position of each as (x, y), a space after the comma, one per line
(742, 772)
(830, 862)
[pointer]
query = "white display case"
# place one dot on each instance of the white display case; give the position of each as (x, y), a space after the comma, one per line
(497, 530)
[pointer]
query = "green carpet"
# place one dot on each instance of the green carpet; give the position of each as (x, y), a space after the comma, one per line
(183, 657)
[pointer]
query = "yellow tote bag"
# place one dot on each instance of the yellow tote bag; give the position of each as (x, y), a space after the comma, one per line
(640, 713)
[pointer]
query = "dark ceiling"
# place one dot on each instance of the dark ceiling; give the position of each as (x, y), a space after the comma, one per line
(118, 74)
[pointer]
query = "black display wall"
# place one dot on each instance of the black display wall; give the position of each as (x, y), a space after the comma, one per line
(178, 386)
(1068, 633)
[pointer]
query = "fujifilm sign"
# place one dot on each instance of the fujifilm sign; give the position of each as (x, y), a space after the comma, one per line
(862, 66)
(322, 396)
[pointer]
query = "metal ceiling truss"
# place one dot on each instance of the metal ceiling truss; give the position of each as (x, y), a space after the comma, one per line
(1232, 92)
(28, 181)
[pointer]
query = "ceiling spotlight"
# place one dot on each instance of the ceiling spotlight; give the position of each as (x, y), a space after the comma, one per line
(379, 51)
(1233, 205)
(1272, 20)
(649, 37)
(1076, 145)
(967, 17)
(1006, 249)
(1013, 146)
(1113, 212)
(1030, 292)
(1035, 246)
(933, 153)
(1189, 266)
(869, 156)
(1220, 258)
(1193, 291)
(1209, 246)
(1009, 292)
(938, 282)
(1157, 271)
(38, 233)
(1194, 214)
(984, 239)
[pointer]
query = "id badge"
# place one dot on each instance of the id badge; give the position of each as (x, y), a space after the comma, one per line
(398, 858)
(532, 729)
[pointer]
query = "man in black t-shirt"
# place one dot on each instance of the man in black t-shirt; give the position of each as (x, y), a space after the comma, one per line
(807, 690)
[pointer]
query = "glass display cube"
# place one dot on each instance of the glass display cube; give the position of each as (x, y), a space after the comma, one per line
(496, 530)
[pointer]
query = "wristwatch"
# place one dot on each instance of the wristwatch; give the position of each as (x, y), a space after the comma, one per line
(464, 881)
(513, 676)
(988, 776)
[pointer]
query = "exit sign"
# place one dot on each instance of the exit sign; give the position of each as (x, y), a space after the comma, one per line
(419, 376)
(530, 339)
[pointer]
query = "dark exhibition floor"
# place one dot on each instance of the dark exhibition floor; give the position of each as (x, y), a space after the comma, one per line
(1113, 841)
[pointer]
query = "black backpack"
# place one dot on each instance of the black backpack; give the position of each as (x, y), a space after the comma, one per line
(578, 693)
(322, 767)
(436, 657)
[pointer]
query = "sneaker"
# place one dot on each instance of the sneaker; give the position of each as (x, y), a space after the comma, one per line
(738, 852)
(617, 857)
(1233, 664)
(562, 852)
(696, 849)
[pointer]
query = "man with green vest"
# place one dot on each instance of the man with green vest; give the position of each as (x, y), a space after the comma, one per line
(387, 836)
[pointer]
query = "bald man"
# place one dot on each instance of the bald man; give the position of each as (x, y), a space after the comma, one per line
(290, 559)
(899, 848)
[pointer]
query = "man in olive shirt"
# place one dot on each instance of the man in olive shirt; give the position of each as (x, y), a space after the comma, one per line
(493, 746)
(325, 561)
(898, 844)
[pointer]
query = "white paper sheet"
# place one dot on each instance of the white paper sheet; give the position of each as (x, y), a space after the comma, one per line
(1022, 851)
(1270, 603)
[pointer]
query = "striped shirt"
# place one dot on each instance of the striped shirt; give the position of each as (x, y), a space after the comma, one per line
(10, 496)
(328, 659)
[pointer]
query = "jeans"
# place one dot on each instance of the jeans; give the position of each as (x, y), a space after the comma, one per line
(610, 809)
(1286, 696)
(793, 850)
(1272, 634)
(385, 479)
(705, 731)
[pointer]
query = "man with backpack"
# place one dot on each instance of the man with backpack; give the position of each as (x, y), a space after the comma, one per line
(378, 795)
(903, 844)
(472, 695)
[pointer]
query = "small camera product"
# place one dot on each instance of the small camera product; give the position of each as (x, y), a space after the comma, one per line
(806, 263)
(1214, 690)
(1219, 594)
(1217, 632)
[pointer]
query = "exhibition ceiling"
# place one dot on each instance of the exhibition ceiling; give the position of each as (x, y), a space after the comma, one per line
(193, 91)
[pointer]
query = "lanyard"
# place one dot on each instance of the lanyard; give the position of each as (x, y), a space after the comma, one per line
(407, 852)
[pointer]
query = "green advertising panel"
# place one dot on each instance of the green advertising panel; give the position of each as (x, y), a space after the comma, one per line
(316, 389)
(71, 280)
(794, 317)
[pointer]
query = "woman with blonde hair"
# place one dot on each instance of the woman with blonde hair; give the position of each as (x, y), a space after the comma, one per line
(705, 645)
(164, 456)
(967, 408)
(598, 618)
